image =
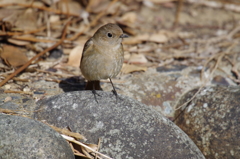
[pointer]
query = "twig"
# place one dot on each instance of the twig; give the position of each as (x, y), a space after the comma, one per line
(177, 15)
(37, 56)
(8, 111)
(98, 147)
(20, 92)
(79, 143)
(67, 132)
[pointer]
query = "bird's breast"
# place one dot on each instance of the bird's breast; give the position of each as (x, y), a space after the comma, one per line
(102, 63)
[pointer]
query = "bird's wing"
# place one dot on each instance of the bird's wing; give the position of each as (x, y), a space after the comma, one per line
(87, 46)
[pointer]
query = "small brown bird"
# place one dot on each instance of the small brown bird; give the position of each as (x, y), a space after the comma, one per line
(102, 56)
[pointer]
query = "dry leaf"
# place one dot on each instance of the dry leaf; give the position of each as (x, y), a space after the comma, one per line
(159, 38)
(72, 7)
(133, 49)
(138, 59)
(146, 48)
(75, 56)
(54, 18)
(20, 42)
(28, 20)
(127, 68)
(9, 15)
(128, 19)
(13, 56)
(113, 9)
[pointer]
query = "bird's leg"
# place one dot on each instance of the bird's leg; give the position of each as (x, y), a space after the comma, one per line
(91, 84)
(114, 90)
(94, 91)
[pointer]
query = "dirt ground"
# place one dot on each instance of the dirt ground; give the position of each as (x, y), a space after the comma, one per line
(192, 33)
(42, 41)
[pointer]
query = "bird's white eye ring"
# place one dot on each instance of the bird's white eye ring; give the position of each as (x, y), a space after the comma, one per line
(109, 35)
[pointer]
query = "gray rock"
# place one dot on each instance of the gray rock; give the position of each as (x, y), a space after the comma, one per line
(128, 129)
(23, 138)
(212, 121)
(159, 90)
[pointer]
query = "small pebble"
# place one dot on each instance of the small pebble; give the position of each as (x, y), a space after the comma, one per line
(8, 98)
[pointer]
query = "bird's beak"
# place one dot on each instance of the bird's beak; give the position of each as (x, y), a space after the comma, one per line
(124, 36)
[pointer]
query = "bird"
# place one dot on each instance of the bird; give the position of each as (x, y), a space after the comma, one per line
(102, 57)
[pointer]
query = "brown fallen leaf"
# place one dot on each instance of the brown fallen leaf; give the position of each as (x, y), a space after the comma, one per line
(128, 19)
(137, 59)
(72, 7)
(9, 15)
(13, 56)
(127, 68)
(20, 42)
(28, 20)
(75, 56)
(158, 38)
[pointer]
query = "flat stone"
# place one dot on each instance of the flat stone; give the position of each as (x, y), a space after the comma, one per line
(128, 128)
(212, 120)
(23, 138)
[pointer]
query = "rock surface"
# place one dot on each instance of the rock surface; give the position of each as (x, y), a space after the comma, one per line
(23, 138)
(161, 88)
(212, 121)
(158, 88)
(128, 129)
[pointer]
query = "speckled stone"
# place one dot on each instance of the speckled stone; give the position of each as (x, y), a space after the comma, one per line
(212, 121)
(128, 129)
(23, 138)
(159, 89)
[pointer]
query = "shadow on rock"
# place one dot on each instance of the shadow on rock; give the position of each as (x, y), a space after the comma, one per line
(72, 84)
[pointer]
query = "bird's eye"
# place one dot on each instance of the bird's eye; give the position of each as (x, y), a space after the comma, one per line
(109, 35)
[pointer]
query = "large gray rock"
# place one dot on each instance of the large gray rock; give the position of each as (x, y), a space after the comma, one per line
(212, 121)
(128, 129)
(23, 138)
(159, 89)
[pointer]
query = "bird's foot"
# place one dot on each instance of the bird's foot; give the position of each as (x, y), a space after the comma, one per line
(115, 93)
(95, 93)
